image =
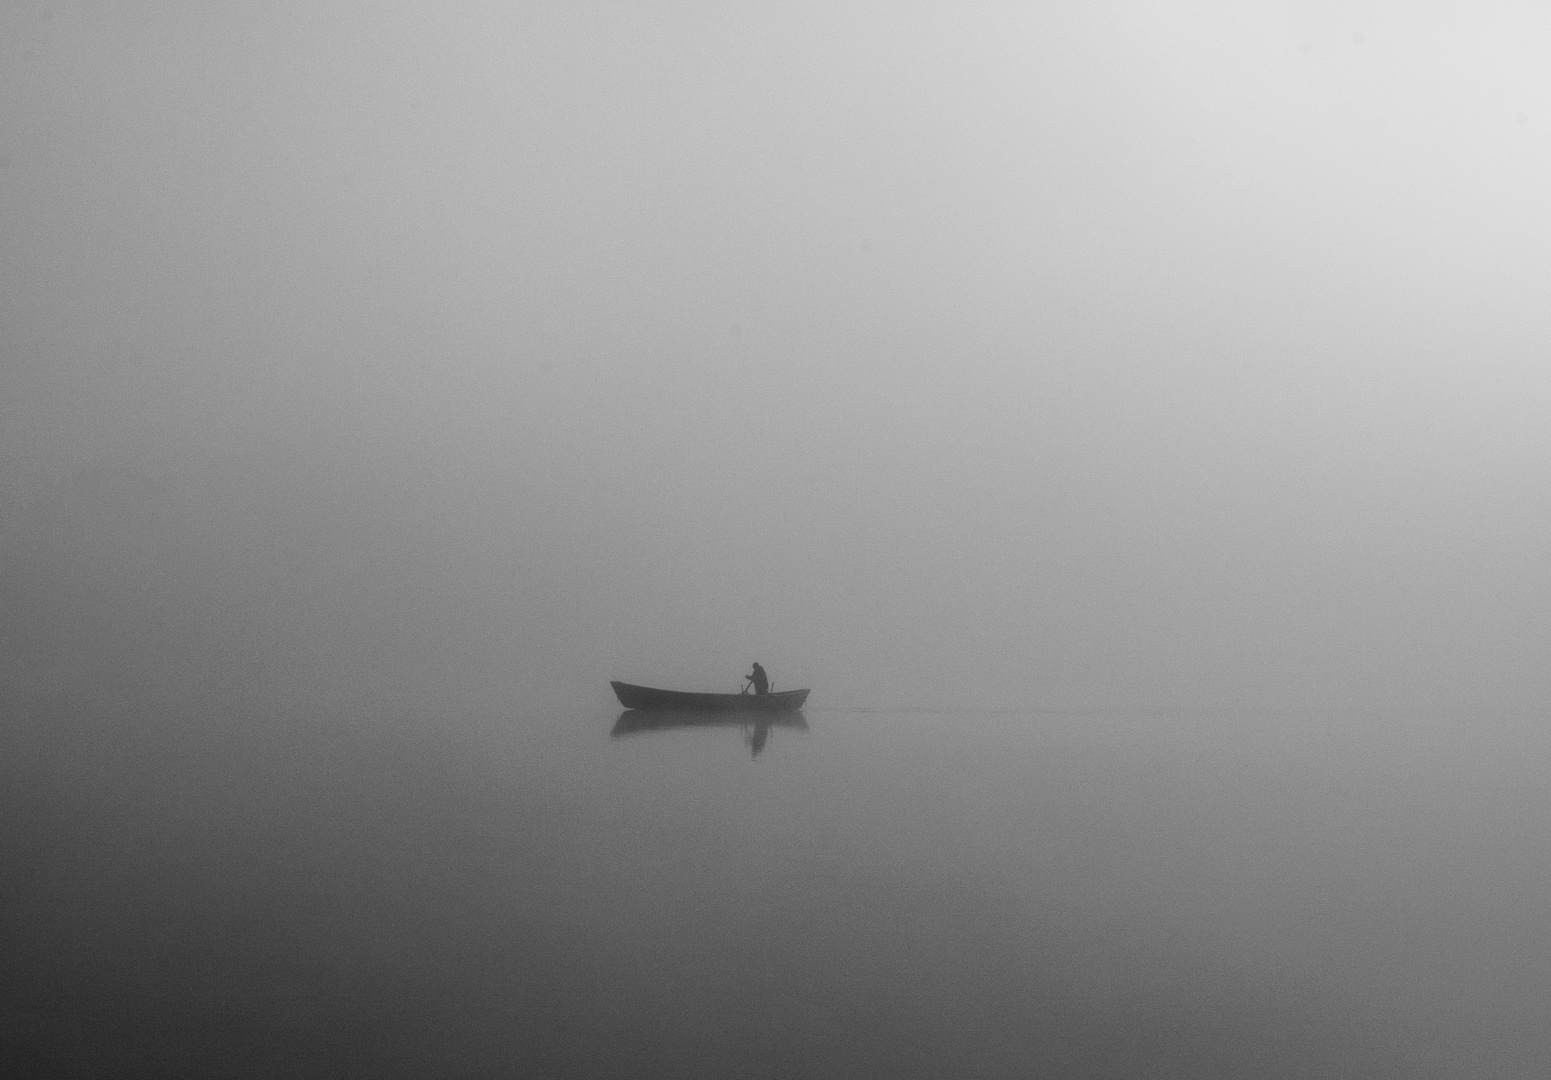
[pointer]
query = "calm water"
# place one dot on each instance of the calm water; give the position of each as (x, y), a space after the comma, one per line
(479, 891)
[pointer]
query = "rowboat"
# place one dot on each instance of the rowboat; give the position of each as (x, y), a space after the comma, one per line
(646, 697)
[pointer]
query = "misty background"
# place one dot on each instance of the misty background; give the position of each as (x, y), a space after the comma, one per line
(1056, 355)
(1130, 420)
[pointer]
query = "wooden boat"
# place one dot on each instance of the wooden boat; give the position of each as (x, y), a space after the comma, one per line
(646, 697)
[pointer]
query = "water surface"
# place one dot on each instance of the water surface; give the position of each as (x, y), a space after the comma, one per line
(484, 891)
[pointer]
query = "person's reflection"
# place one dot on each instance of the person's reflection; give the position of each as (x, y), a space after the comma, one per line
(756, 730)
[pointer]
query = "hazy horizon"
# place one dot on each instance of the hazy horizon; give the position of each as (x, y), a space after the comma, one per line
(1064, 356)
(378, 380)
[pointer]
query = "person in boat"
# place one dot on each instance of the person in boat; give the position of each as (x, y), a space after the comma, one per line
(757, 677)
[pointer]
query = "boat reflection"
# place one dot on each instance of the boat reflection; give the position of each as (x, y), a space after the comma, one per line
(756, 726)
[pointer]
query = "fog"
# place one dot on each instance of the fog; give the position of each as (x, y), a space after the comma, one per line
(1051, 357)
(998, 356)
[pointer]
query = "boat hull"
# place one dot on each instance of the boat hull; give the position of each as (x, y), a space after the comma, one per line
(647, 697)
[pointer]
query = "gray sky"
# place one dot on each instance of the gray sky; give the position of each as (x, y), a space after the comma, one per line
(1073, 354)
